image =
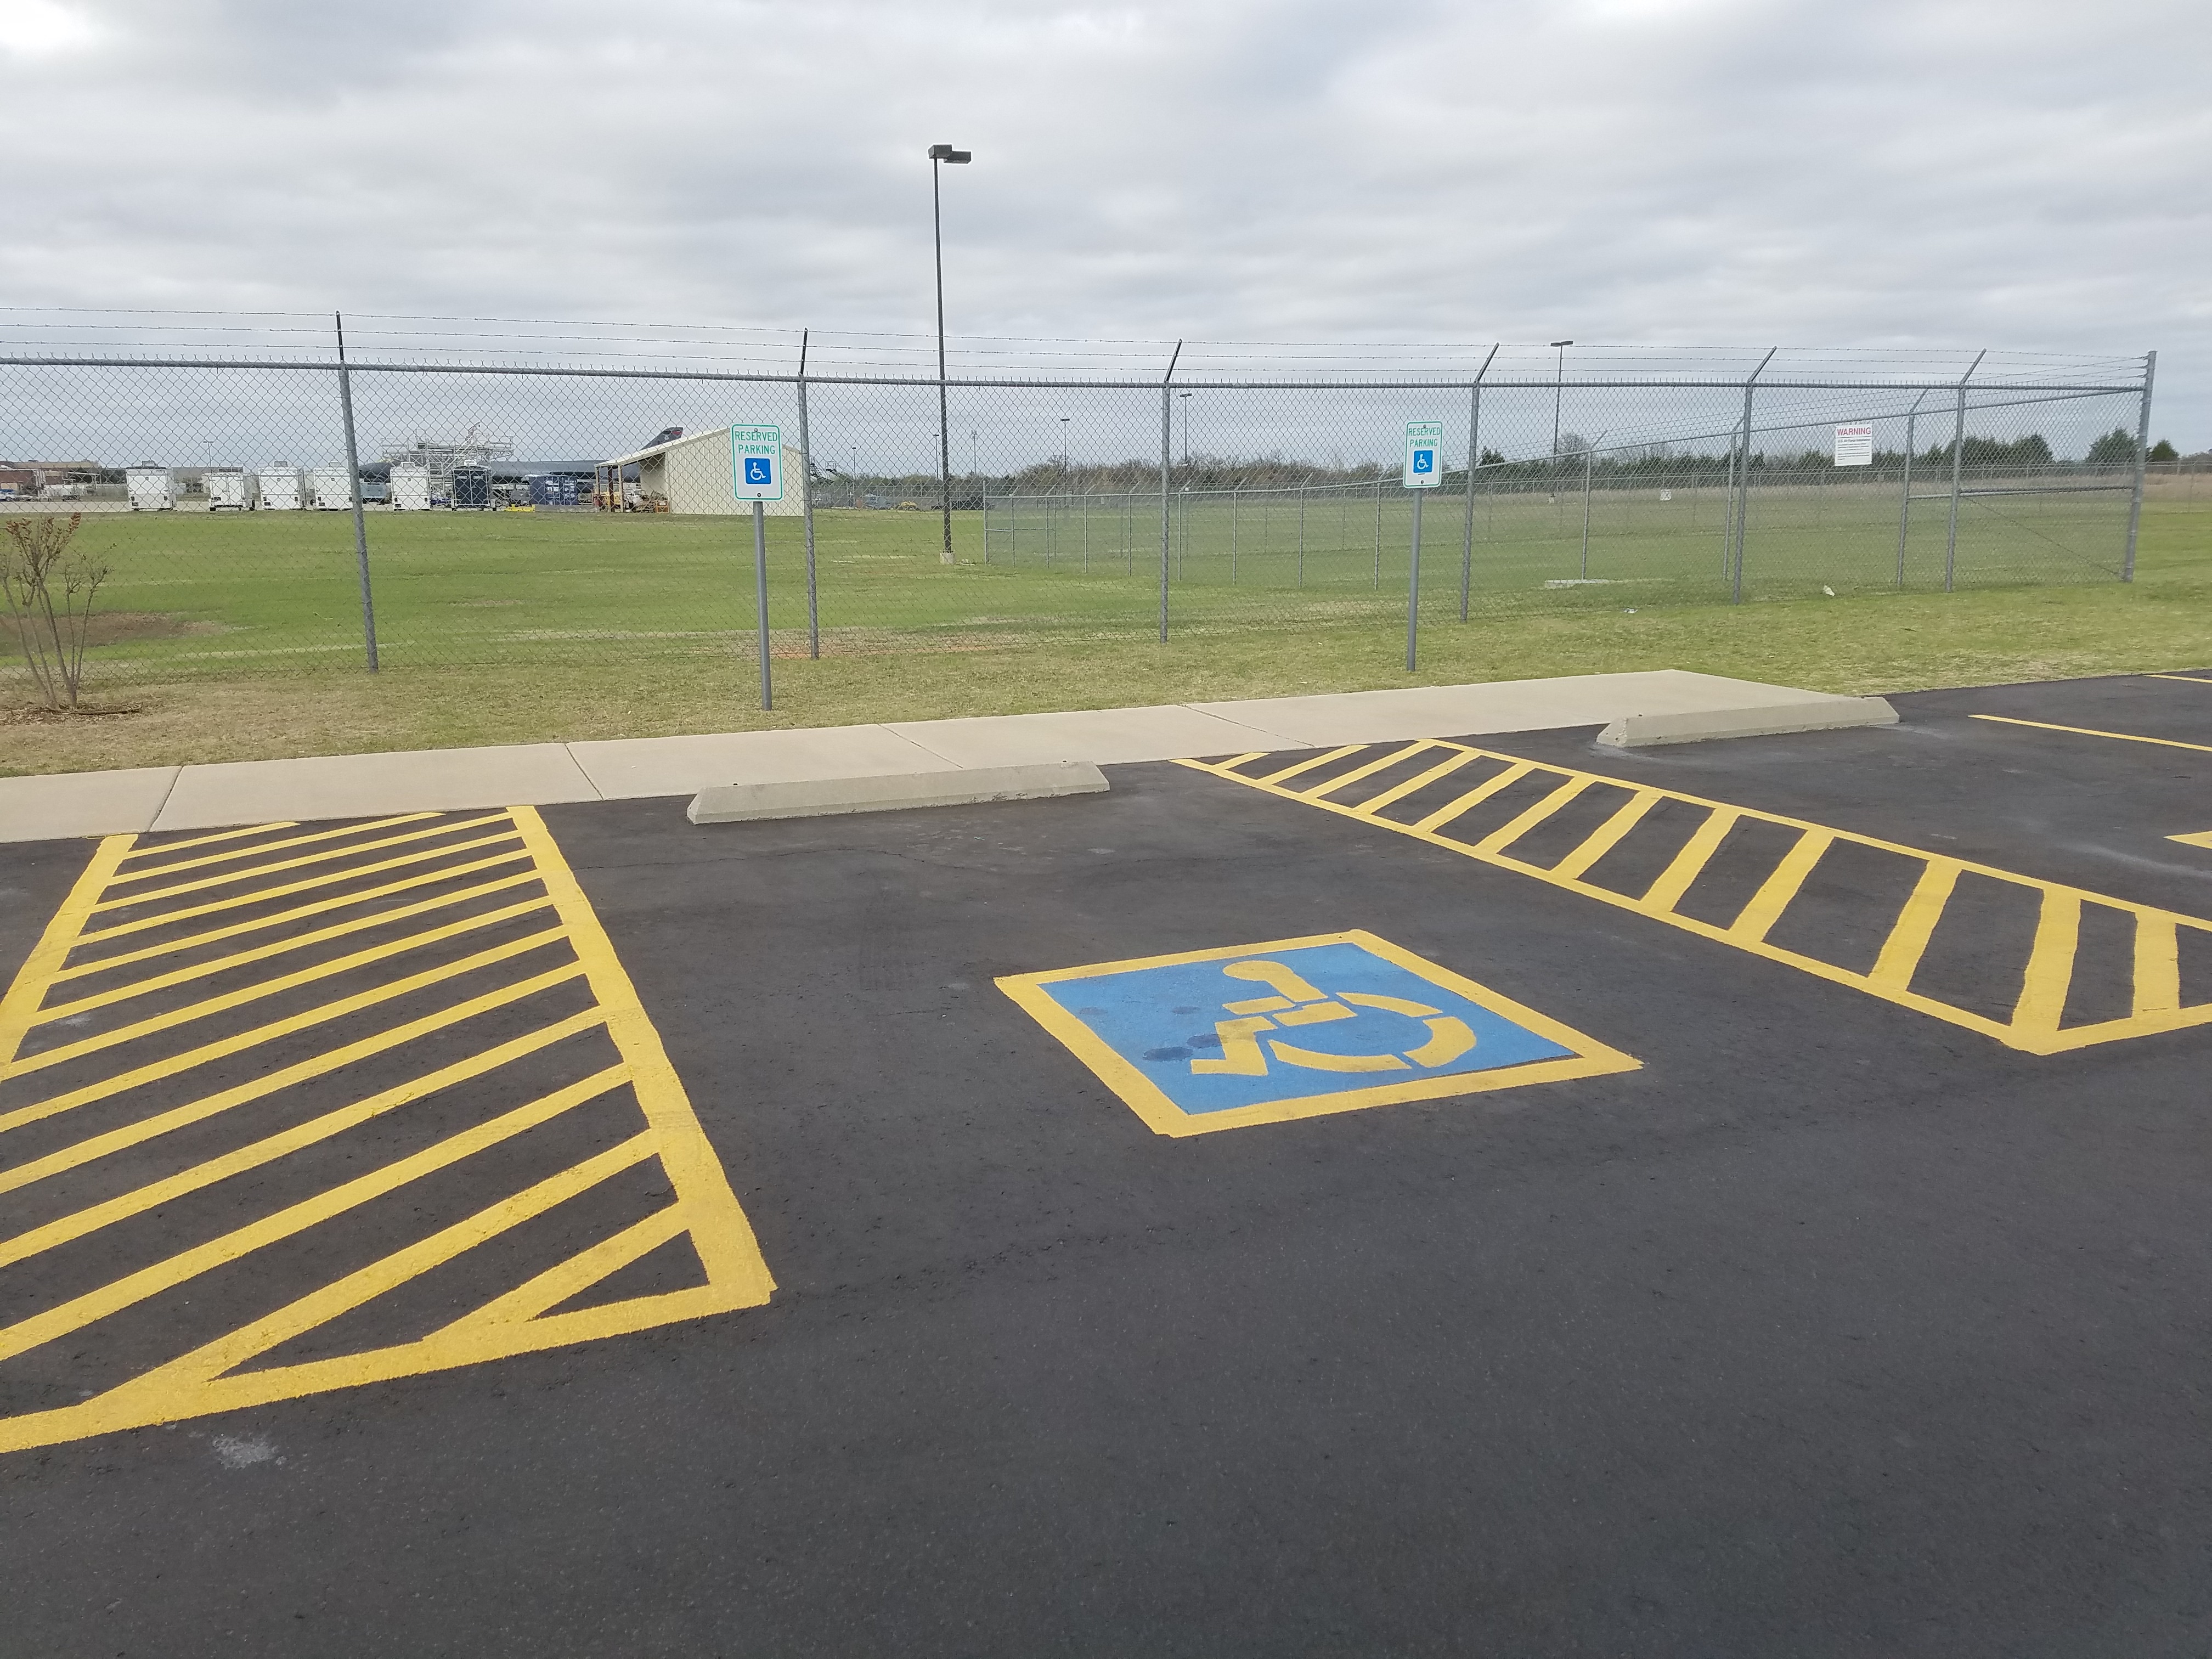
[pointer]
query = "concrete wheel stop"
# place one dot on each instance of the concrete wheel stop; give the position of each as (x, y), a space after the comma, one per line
(1837, 714)
(745, 803)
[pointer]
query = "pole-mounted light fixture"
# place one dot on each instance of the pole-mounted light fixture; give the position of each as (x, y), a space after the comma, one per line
(942, 153)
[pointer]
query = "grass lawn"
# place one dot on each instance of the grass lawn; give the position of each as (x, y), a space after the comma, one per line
(237, 638)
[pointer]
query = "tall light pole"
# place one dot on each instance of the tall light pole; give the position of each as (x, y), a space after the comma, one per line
(1185, 396)
(1558, 385)
(942, 153)
(1063, 452)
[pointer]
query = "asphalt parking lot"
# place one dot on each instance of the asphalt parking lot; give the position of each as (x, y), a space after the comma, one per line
(1505, 1196)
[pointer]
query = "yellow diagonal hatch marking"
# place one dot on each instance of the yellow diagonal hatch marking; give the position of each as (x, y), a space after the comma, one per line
(2040, 984)
(501, 1031)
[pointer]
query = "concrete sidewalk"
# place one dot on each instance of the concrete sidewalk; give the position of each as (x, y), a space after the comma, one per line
(544, 773)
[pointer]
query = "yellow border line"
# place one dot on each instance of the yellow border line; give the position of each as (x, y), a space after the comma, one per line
(2188, 679)
(19, 1008)
(1590, 1058)
(2086, 732)
(719, 1230)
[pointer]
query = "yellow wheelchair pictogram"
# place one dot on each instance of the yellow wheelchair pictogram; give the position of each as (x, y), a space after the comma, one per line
(1178, 1039)
(1296, 1002)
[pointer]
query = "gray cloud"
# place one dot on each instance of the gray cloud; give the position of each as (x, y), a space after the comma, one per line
(1895, 172)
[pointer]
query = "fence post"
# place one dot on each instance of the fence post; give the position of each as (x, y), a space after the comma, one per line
(1958, 454)
(806, 507)
(1587, 455)
(1904, 498)
(2142, 446)
(1167, 461)
(1378, 536)
(1233, 490)
(360, 525)
(1474, 461)
(1302, 532)
(1743, 481)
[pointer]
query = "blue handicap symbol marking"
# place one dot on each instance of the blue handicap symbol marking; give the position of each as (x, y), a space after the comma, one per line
(1283, 1024)
(757, 469)
(1425, 460)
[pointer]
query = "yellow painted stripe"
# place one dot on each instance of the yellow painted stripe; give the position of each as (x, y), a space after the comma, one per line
(1664, 893)
(2086, 732)
(19, 1008)
(170, 918)
(1607, 836)
(82, 1310)
(208, 1006)
(577, 1273)
(2193, 679)
(1914, 925)
(2157, 965)
(2050, 963)
(270, 1148)
(1758, 918)
(271, 847)
(1506, 834)
(1239, 760)
(190, 1383)
(155, 895)
(336, 1059)
(1473, 799)
(1366, 771)
(300, 912)
(1420, 780)
(262, 953)
(2202, 838)
(725, 1237)
(156, 848)
(1305, 765)
(125, 1081)
(1658, 903)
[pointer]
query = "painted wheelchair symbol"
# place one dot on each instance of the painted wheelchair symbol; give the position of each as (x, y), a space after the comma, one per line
(1299, 1003)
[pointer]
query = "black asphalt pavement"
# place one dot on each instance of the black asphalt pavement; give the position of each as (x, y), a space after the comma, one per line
(1834, 1329)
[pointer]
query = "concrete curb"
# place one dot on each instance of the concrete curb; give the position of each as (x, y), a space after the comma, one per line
(744, 803)
(1648, 731)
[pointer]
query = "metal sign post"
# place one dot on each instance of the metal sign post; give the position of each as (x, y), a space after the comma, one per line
(757, 475)
(1423, 471)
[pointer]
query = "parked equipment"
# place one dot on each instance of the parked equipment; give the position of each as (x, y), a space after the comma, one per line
(472, 488)
(152, 489)
(278, 487)
(553, 489)
(330, 490)
(226, 489)
(411, 488)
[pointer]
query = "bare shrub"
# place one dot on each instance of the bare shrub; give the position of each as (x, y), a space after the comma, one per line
(49, 593)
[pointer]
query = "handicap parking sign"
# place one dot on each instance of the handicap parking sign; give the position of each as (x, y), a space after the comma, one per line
(756, 457)
(1295, 1028)
(757, 469)
(1425, 460)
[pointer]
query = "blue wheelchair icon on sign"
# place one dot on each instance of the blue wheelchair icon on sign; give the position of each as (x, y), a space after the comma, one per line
(758, 469)
(1425, 460)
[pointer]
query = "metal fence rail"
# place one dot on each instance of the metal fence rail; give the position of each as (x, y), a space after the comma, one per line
(365, 506)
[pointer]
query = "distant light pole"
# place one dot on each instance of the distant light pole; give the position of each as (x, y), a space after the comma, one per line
(1186, 429)
(1558, 385)
(1063, 451)
(942, 153)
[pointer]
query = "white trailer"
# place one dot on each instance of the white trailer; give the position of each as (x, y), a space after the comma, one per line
(152, 489)
(226, 490)
(410, 489)
(278, 487)
(330, 490)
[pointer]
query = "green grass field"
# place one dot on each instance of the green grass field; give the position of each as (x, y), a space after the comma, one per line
(238, 636)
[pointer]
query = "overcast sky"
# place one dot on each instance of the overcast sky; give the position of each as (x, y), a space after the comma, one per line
(1741, 172)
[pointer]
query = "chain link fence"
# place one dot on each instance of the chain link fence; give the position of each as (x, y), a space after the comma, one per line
(268, 507)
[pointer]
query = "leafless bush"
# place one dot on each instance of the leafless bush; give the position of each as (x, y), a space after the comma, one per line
(49, 591)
